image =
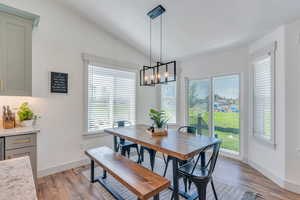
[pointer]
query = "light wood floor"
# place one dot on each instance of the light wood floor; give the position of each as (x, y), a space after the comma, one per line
(70, 185)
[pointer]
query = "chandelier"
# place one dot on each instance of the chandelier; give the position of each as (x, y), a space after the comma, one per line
(161, 72)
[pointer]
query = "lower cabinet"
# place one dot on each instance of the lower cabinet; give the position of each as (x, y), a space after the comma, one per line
(20, 146)
(26, 151)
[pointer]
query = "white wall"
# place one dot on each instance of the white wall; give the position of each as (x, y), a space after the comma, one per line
(280, 163)
(218, 63)
(58, 43)
(292, 159)
(266, 158)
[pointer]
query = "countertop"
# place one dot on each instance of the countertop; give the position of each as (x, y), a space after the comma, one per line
(18, 131)
(16, 180)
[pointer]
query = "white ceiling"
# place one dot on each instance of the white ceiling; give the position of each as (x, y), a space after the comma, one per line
(192, 26)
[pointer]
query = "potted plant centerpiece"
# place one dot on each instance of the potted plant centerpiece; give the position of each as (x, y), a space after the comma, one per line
(160, 120)
(26, 116)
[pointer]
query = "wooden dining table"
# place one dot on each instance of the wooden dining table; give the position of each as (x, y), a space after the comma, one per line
(178, 145)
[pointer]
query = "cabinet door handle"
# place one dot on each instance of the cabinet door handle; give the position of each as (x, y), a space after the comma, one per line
(22, 141)
(1, 85)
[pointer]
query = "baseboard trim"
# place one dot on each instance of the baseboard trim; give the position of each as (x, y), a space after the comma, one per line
(285, 184)
(293, 187)
(279, 181)
(61, 168)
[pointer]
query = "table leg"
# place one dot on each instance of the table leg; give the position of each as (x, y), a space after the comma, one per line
(175, 179)
(115, 143)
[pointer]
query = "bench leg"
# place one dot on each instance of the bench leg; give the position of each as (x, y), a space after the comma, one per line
(92, 171)
(116, 144)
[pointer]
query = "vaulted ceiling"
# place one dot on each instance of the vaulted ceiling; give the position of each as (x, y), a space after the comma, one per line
(191, 26)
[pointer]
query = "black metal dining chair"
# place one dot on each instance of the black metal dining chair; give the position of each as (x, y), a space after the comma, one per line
(183, 129)
(201, 175)
(123, 145)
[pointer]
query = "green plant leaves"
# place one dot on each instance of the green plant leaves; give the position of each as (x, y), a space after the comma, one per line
(159, 118)
(25, 113)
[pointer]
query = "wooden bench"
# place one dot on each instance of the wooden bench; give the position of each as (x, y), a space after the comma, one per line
(136, 178)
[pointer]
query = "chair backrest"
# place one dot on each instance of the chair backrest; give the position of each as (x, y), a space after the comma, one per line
(119, 124)
(188, 129)
(211, 163)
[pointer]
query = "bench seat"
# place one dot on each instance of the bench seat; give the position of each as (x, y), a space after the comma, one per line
(136, 178)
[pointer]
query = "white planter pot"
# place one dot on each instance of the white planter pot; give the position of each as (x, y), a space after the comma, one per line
(27, 123)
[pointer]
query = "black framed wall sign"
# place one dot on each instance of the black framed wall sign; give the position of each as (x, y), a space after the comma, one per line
(59, 82)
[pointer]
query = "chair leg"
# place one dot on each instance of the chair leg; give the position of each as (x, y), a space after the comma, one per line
(214, 189)
(128, 152)
(123, 151)
(185, 184)
(190, 184)
(201, 188)
(104, 176)
(172, 197)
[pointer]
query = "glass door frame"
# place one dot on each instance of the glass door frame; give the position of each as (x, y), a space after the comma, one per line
(236, 155)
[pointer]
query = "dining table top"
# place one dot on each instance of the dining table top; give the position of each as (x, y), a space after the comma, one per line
(180, 145)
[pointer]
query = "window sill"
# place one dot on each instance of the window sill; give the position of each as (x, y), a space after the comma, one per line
(265, 141)
(93, 134)
(230, 154)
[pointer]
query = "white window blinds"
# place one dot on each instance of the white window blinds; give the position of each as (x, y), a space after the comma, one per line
(169, 100)
(263, 97)
(111, 97)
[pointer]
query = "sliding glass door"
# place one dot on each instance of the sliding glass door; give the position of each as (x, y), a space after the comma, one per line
(198, 105)
(226, 111)
(214, 108)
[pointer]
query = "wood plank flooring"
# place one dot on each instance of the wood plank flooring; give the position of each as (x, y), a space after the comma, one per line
(69, 185)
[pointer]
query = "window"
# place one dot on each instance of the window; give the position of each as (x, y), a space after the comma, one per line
(263, 97)
(214, 108)
(169, 100)
(111, 97)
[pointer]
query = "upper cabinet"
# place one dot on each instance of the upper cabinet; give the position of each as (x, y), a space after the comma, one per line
(15, 52)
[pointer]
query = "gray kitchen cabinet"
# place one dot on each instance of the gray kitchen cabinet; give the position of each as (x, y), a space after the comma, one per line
(16, 51)
(20, 146)
(15, 55)
(26, 151)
